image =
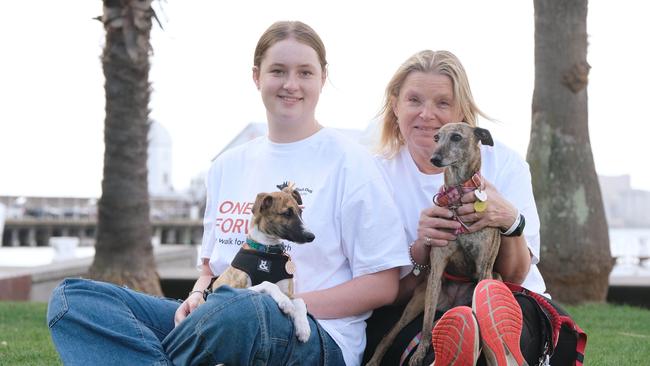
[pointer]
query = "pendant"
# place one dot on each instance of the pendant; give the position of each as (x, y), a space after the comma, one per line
(290, 267)
(480, 195)
(480, 206)
(416, 271)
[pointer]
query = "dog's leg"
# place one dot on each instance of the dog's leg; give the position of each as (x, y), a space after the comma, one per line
(412, 310)
(300, 321)
(284, 302)
(487, 253)
(295, 309)
(439, 258)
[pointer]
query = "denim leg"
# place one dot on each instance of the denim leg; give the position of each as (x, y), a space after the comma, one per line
(242, 327)
(97, 323)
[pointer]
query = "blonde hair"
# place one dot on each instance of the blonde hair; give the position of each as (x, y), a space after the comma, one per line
(282, 30)
(427, 61)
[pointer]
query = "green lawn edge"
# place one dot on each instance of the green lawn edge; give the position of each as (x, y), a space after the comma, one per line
(617, 334)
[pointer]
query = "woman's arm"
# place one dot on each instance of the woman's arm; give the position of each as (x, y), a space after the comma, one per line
(514, 259)
(359, 295)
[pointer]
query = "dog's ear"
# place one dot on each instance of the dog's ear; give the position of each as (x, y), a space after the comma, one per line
(263, 202)
(296, 196)
(484, 136)
(290, 188)
(283, 185)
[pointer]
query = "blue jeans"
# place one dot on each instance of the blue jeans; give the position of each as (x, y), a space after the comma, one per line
(97, 323)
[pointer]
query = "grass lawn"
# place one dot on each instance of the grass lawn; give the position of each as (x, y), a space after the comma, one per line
(617, 335)
(24, 336)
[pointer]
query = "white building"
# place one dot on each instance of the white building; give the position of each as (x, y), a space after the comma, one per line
(159, 161)
(624, 206)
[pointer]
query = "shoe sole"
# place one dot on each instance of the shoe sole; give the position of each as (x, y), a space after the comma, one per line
(500, 322)
(455, 338)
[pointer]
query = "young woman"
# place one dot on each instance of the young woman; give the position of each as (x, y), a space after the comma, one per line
(348, 270)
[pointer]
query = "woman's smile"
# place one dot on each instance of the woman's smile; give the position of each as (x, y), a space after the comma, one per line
(289, 99)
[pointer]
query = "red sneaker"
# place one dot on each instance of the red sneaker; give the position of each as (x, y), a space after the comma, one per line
(455, 338)
(500, 321)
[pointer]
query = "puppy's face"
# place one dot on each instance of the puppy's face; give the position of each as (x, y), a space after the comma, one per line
(278, 214)
(457, 142)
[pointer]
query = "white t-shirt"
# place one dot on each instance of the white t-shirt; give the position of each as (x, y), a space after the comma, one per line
(504, 168)
(347, 205)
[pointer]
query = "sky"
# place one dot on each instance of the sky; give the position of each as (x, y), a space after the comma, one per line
(52, 97)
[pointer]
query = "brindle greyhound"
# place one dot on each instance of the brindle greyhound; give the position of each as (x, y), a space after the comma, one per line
(471, 255)
(262, 263)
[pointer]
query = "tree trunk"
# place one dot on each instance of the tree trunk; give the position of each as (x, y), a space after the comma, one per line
(575, 254)
(124, 254)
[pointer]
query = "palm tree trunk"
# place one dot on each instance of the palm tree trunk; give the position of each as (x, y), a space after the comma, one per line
(124, 254)
(575, 254)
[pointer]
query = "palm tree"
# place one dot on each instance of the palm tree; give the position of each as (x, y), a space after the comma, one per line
(124, 254)
(576, 259)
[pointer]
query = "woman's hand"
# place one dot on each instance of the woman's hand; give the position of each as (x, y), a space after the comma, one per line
(189, 305)
(195, 298)
(436, 226)
(499, 213)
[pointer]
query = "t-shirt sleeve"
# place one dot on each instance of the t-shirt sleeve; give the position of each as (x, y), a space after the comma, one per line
(372, 231)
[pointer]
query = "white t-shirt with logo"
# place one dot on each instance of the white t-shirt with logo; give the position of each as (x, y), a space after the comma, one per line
(347, 205)
(503, 167)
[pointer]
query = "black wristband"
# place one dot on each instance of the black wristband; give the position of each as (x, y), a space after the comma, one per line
(520, 228)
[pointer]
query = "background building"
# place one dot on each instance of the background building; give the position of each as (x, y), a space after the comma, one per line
(625, 207)
(177, 216)
(159, 161)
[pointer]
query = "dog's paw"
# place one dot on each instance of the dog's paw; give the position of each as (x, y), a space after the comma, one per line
(418, 356)
(303, 331)
(271, 289)
(285, 304)
(300, 321)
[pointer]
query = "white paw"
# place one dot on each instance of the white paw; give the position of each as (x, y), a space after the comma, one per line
(285, 304)
(283, 301)
(300, 321)
(302, 328)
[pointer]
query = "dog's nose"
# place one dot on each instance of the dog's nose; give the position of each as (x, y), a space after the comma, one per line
(436, 160)
(309, 237)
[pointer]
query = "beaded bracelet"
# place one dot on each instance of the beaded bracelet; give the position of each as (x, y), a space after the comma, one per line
(417, 267)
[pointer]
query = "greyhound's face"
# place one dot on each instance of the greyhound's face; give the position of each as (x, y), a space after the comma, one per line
(278, 214)
(457, 143)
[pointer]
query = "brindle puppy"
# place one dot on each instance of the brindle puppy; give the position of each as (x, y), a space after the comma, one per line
(277, 216)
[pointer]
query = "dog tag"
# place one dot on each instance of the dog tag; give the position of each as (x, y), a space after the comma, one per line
(480, 195)
(480, 206)
(290, 267)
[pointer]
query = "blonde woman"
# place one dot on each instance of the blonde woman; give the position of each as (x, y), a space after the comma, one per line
(429, 90)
